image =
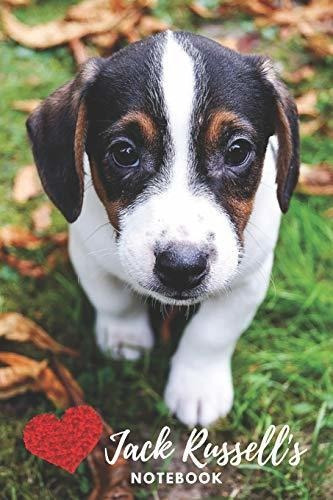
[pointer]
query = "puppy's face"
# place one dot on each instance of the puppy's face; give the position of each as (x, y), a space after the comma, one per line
(176, 129)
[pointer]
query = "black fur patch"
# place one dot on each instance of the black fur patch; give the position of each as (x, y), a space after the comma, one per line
(129, 81)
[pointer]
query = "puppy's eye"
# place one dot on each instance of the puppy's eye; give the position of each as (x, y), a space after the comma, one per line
(238, 152)
(124, 154)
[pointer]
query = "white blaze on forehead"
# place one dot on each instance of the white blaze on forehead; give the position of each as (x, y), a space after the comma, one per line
(178, 84)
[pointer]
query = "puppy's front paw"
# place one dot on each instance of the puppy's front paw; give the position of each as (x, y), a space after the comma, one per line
(199, 397)
(123, 337)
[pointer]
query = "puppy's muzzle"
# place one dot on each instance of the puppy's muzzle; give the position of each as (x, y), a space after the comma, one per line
(181, 266)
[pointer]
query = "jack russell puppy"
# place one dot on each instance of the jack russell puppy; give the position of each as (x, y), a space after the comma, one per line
(173, 160)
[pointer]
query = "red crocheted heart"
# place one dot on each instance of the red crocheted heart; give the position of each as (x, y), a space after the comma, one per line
(65, 442)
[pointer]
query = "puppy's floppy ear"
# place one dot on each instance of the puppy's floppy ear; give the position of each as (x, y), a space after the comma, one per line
(57, 130)
(287, 131)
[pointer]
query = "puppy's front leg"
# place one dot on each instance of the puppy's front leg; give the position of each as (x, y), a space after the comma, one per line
(199, 389)
(122, 323)
(124, 331)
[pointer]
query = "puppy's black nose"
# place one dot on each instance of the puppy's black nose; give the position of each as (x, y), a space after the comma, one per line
(181, 266)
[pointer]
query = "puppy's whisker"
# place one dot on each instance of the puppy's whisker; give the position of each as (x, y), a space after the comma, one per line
(100, 250)
(97, 229)
(259, 229)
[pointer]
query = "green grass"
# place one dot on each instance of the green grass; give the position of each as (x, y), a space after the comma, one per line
(282, 365)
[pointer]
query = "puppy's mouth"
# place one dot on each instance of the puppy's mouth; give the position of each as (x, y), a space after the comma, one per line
(182, 297)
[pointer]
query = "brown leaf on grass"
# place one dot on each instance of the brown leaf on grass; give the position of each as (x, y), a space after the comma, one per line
(306, 104)
(41, 217)
(320, 43)
(26, 374)
(79, 51)
(73, 389)
(49, 383)
(290, 15)
(316, 180)
(17, 3)
(245, 43)
(58, 255)
(18, 377)
(105, 40)
(26, 184)
(58, 32)
(149, 25)
(312, 126)
(126, 25)
(110, 482)
(24, 267)
(255, 7)
(126, 28)
(303, 73)
(60, 239)
(228, 41)
(16, 327)
(19, 237)
(26, 106)
(202, 11)
(88, 10)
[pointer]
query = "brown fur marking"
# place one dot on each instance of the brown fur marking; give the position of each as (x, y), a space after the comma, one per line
(241, 210)
(112, 207)
(146, 124)
(79, 142)
(221, 119)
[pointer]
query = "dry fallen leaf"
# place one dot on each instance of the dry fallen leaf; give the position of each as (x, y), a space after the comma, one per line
(296, 15)
(60, 239)
(316, 180)
(88, 10)
(149, 25)
(110, 482)
(19, 376)
(313, 20)
(26, 106)
(58, 255)
(105, 40)
(24, 267)
(228, 41)
(26, 184)
(303, 73)
(19, 237)
(16, 327)
(79, 51)
(26, 374)
(53, 33)
(306, 104)
(312, 126)
(320, 43)
(41, 217)
(17, 3)
(54, 389)
(202, 11)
